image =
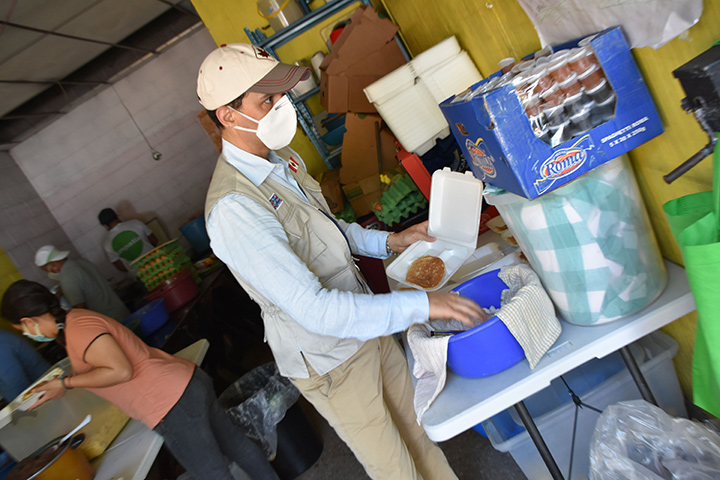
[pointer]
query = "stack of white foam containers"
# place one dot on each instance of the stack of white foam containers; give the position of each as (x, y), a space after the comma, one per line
(407, 98)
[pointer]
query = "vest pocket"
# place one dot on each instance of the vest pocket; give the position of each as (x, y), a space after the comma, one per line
(303, 240)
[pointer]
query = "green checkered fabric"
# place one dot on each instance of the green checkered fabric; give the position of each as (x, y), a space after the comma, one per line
(591, 243)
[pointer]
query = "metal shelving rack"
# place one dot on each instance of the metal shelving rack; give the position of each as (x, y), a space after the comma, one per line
(311, 18)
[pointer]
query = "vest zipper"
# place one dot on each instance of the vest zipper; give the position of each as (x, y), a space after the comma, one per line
(347, 242)
(308, 197)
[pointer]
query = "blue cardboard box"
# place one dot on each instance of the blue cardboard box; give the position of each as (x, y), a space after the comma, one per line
(502, 149)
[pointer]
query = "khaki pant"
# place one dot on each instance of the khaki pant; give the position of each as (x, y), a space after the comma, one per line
(368, 400)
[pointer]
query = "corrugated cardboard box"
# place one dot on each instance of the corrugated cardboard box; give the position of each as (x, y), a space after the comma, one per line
(360, 171)
(364, 53)
(501, 148)
(363, 204)
(359, 149)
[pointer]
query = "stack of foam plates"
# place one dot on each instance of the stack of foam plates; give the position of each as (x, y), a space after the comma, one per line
(408, 97)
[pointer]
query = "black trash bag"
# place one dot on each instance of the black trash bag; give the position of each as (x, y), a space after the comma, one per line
(445, 153)
(257, 402)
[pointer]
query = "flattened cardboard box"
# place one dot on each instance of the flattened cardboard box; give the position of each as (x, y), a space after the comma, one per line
(359, 151)
(364, 52)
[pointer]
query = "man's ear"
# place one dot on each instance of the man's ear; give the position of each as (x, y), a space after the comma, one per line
(225, 116)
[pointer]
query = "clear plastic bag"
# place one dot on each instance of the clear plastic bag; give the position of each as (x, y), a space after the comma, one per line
(558, 21)
(257, 402)
(636, 440)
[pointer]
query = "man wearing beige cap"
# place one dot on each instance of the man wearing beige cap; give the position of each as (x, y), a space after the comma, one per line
(268, 221)
(81, 283)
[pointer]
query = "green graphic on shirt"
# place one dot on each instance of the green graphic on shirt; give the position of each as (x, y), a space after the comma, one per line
(128, 245)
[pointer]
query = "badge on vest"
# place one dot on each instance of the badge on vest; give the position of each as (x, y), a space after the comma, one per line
(293, 164)
(275, 201)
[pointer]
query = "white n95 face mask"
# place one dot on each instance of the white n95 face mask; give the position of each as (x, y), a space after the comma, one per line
(277, 128)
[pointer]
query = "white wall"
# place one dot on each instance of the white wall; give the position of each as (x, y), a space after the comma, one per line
(95, 157)
(27, 224)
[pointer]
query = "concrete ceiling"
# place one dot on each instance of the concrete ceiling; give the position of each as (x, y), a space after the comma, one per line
(52, 52)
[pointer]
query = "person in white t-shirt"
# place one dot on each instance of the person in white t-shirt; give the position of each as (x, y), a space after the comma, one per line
(126, 240)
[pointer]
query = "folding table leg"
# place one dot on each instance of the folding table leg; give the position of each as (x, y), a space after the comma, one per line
(637, 375)
(537, 439)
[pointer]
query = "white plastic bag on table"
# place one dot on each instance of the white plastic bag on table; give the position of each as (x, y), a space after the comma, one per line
(636, 440)
(647, 23)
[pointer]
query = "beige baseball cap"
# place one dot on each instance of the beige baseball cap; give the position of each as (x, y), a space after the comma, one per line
(47, 254)
(233, 69)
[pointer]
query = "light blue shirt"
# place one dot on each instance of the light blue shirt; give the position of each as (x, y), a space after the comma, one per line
(252, 242)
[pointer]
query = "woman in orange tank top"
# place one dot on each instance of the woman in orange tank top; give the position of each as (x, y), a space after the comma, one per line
(168, 394)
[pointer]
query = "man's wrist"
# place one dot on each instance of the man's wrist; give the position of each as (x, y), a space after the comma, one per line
(389, 249)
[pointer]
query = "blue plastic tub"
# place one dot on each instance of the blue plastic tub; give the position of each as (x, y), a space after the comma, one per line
(195, 232)
(152, 316)
(503, 421)
(581, 380)
(488, 348)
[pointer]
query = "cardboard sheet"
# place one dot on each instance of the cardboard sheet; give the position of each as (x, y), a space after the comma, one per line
(364, 52)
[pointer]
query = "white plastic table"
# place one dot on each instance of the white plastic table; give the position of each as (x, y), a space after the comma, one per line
(464, 403)
(131, 455)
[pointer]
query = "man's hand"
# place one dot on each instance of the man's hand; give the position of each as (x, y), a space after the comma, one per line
(449, 306)
(402, 240)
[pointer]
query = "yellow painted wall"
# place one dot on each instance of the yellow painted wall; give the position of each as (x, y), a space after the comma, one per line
(8, 275)
(490, 31)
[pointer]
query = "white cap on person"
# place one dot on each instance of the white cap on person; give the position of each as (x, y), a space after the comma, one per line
(233, 69)
(48, 253)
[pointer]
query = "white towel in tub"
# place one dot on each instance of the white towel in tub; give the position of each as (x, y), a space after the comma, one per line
(527, 312)
(430, 354)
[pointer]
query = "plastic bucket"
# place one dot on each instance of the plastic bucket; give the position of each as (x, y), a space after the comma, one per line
(195, 232)
(279, 13)
(177, 292)
(590, 242)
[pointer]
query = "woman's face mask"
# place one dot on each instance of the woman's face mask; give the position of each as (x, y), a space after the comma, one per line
(54, 275)
(277, 128)
(37, 336)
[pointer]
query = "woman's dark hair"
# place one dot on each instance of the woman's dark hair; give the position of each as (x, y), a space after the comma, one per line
(236, 104)
(25, 298)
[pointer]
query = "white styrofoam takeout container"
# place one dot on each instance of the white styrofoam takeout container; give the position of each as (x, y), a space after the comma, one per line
(453, 219)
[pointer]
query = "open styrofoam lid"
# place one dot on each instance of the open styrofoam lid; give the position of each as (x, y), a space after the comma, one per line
(454, 219)
(455, 206)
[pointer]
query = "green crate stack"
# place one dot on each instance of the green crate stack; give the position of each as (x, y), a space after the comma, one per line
(401, 200)
(160, 265)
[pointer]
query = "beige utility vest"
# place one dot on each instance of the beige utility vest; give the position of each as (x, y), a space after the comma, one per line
(318, 241)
